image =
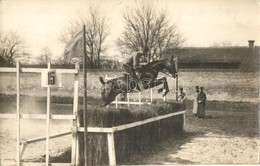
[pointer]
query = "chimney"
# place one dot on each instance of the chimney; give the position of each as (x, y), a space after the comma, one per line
(251, 43)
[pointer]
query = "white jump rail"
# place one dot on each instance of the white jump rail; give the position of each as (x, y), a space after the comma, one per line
(48, 116)
(110, 131)
(128, 102)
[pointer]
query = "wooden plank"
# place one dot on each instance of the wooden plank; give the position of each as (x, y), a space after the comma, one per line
(36, 70)
(184, 122)
(75, 123)
(96, 130)
(47, 157)
(35, 164)
(8, 69)
(130, 125)
(130, 102)
(29, 141)
(140, 102)
(23, 146)
(111, 149)
(151, 95)
(63, 117)
(8, 116)
(38, 116)
(39, 70)
(139, 123)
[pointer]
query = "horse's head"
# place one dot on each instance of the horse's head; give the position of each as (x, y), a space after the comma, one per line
(107, 93)
(170, 66)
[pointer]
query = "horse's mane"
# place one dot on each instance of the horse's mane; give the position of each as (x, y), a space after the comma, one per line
(167, 56)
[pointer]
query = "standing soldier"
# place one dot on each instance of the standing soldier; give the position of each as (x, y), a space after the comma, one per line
(182, 98)
(201, 103)
(195, 102)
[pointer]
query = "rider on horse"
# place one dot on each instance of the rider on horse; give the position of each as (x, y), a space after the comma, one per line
(133, 63)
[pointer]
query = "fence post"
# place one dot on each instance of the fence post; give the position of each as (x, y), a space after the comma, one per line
(18, 159)
(111, 149)
(184, 121)
(176, 79)
(151, 95)
(139, 98)
(75, 122)
(116, 98)
(48, 121)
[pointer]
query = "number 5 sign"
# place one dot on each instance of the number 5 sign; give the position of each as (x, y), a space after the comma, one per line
(51, 78)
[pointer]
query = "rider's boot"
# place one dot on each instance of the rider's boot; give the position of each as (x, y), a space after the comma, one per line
(138, 87)
(137, 82)
(134, 76)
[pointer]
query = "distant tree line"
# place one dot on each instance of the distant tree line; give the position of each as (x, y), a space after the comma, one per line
(144, 27)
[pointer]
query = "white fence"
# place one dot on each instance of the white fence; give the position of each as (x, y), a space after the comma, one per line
(128, 102)
(20, 146)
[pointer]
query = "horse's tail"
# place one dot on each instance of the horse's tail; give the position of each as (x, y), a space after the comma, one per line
(101, 79)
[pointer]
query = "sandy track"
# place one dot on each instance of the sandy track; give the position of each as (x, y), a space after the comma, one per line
(222, 138)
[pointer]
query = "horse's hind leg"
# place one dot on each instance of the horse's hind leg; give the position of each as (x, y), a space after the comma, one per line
(159, 82)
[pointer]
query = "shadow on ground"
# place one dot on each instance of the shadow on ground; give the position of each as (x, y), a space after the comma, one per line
(165, 148)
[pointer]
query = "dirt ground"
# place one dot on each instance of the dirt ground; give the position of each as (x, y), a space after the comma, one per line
(217, 139)
(223, 137)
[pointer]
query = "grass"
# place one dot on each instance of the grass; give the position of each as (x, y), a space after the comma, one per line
(222, 86)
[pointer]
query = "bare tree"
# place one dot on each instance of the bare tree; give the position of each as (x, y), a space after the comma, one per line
(223, 44)
(45, 56)
(145, 27)
(62, 61)
(96, 34)
(12, 48)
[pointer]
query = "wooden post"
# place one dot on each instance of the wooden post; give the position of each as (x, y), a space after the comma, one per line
(164, 97)
(116, 98)
(111, 149)
(151, 95)
(75, 122)
(128, 99)
(176, 79)
(48, 121)
(140, 99)
(85, 96)
(18, 159)
(184, 121)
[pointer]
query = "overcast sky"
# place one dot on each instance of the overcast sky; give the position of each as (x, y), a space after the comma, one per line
(202, 22)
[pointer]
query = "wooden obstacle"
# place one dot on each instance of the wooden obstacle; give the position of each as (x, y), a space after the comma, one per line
(20, 146)
(112, 130)
(75, 121)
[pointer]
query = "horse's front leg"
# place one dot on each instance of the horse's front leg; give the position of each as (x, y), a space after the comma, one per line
(165, 87)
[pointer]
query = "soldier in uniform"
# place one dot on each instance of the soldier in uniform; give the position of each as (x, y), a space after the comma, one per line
(182, 98)
(201, 103)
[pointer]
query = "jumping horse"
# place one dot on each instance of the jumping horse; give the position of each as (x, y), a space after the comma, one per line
(147, 79)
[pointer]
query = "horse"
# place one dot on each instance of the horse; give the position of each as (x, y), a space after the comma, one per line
(147, 79)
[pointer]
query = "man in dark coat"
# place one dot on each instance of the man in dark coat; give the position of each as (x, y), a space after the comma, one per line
(201, 103)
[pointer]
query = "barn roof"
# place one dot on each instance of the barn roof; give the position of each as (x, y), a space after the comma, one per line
(212, 54)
